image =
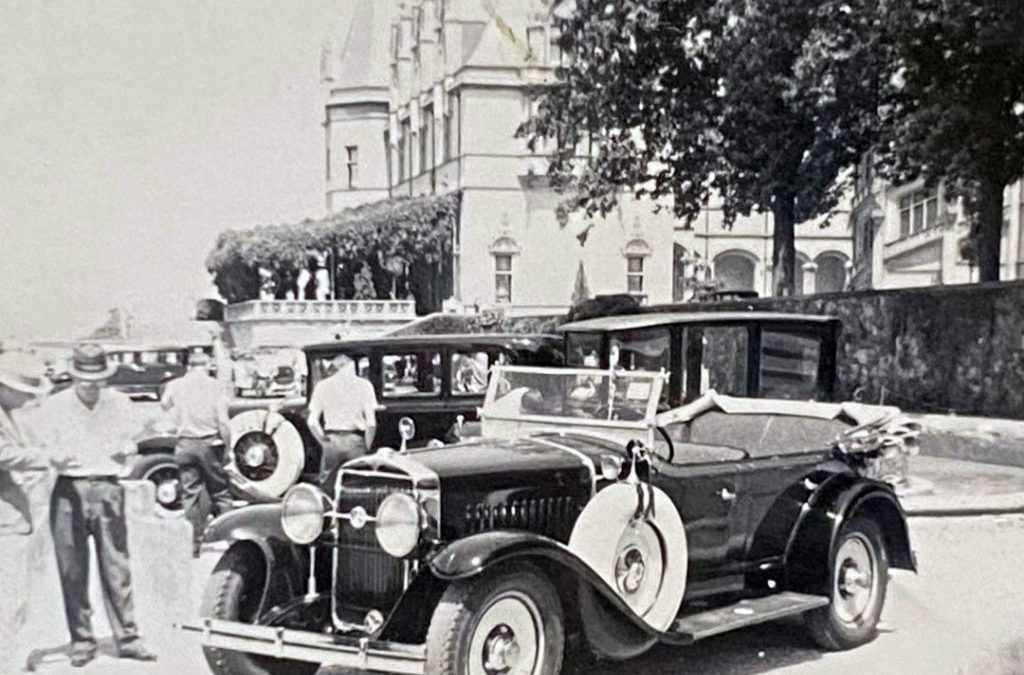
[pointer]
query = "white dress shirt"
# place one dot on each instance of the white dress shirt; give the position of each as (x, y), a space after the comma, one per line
(91, 435)
(347, 402)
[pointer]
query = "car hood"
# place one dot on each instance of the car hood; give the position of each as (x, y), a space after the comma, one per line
(483, 456)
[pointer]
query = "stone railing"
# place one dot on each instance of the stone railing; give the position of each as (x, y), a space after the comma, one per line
(321, 310)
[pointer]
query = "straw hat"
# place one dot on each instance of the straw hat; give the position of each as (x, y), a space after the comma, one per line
(89, 362)
(23, 372)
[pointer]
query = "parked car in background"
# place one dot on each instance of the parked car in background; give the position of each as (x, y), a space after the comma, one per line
(581, 508)
(268, 371)
(751, 354)
(438, 381)
(143, 370)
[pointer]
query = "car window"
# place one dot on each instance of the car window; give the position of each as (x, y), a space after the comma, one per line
(724, 362)
(323, 366)
(469, 372)
(584, 350)
(789, 365)
(411, 374)
(149, 358)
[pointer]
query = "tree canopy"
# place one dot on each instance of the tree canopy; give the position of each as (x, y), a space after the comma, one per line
(759, 105)
(954, 106)
(381, 242)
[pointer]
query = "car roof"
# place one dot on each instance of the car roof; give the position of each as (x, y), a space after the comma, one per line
(500, 339)
(652, 319)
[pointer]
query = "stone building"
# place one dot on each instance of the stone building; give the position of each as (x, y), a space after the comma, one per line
(911, 235)
(424, 97)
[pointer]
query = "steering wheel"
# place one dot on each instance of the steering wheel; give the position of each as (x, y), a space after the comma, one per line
(668, 441)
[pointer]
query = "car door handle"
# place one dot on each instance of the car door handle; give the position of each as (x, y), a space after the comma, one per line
(726, 495)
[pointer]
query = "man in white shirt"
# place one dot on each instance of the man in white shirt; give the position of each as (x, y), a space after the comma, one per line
(94, 424)
(200, 406)
(347, 405)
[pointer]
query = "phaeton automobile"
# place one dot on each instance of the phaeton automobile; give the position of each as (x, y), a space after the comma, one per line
(581, 509)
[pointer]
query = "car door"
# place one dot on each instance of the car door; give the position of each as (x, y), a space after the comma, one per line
(704, 483)
(410, 386)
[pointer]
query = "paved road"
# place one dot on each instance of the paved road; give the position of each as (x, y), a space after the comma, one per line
(964, 613)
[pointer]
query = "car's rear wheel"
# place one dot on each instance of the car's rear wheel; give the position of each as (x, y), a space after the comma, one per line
(860, 575)
(165, 473)
(507, 621)
(233, 593)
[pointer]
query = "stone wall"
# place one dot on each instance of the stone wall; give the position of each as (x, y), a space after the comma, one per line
(934, 349)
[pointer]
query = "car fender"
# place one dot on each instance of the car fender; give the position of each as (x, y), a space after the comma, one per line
(258, 529)
(475, 554)
(809, 552)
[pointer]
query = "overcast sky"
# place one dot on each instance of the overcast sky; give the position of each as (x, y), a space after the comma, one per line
(133, 131)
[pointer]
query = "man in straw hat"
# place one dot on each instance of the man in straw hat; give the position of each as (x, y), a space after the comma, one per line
(93, 422)
(22, 379)
(200, 407)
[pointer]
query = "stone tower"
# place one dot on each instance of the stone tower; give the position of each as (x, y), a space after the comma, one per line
(356, 82)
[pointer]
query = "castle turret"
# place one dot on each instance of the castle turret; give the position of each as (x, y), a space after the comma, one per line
(356, 83)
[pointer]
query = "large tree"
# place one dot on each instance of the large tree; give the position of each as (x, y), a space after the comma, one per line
(954, 108)
(758, 104)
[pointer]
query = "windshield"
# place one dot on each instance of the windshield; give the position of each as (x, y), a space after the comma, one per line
(573, 396)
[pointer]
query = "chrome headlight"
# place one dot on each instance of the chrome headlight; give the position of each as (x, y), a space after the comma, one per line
(302, 513)
(399, 520)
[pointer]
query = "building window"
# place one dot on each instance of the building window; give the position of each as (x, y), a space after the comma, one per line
(503, 277)
(352, 162)
(536, 38)
(635, 273)
(426, 144)
(403, 149)
(734, 271)
(919, 211)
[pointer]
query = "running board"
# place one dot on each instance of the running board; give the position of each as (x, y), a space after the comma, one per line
(742, 614)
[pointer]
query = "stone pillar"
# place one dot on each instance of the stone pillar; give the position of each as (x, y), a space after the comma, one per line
(810, 277)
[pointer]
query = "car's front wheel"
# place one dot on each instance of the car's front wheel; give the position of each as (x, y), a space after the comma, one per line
(860, 574)
(506, 621)
(233, 594)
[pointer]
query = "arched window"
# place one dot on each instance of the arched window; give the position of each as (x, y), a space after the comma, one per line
(831, 274)
(504, 249)
(734, 271)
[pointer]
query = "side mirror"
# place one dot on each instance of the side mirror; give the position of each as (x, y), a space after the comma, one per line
(406, 429)
(460, 422)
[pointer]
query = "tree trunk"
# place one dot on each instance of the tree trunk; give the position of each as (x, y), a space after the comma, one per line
(783, 246)
(989, 215)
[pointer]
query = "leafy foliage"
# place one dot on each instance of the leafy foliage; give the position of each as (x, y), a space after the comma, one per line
(954, 106)
(757, 104)
(377, 241)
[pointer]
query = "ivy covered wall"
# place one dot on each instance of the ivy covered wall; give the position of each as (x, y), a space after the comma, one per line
(395, 248)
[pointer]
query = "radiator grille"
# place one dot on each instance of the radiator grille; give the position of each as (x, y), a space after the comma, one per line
(366, 577)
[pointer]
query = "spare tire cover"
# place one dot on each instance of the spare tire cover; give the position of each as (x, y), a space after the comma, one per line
(285, 450)
(643, 560)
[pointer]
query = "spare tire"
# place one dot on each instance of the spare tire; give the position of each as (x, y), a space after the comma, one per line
(267, 454)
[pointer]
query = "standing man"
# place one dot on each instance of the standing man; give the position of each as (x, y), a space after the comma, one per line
(200, 407)
(94, 423)
(348, 406)
(22, 379)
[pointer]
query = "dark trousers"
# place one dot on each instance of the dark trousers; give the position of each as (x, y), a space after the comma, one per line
(338, 448)
(83, 508)
(201, 467)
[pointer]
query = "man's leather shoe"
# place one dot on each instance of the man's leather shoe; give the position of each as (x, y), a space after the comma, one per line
(136, 650)
(79, 659)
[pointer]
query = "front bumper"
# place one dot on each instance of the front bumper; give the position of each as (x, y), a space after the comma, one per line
(300, 645)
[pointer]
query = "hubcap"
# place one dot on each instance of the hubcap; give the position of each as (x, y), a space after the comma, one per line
(856, 580)
(630, 569)
(255, 455)
(509, 638)
(167, 492)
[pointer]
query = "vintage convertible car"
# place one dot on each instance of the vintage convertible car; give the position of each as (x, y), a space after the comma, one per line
(581, 509)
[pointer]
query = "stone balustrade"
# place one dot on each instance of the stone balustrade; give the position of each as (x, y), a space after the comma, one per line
(321, 310)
